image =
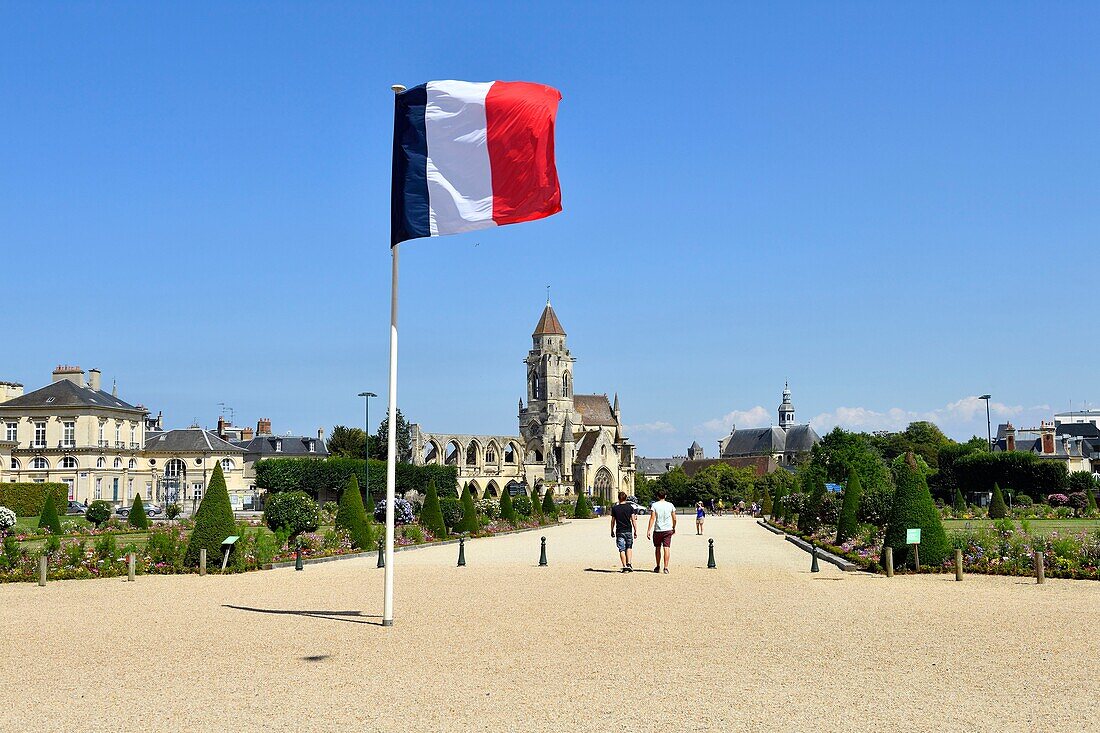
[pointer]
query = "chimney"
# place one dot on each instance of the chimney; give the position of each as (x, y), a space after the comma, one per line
(221, 427)
(93, 379)
(263, 426)
(1046, 430)
(10, 390)
(247, 434)
(1010, 437)
(73, 374)
(320, 435)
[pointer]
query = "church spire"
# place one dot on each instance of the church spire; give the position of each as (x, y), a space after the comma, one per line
(786, 409)
(549, 325)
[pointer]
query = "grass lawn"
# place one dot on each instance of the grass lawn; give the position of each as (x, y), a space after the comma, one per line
(1038, 526)
(32, 522)
(122, 536)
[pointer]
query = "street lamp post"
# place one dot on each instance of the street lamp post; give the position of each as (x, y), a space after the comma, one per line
(366, 433)
(988, 425)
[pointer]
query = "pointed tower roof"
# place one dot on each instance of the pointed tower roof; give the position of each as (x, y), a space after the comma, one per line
(695, 445)
(549, 323)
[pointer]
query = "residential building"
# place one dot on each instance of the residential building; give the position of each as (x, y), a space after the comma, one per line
(1076, 444)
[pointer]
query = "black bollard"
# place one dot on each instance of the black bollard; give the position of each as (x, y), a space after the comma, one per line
(461, 552)
(710, 560)
(298, 557)
(542, 557)
(813, 564)
(381, 553)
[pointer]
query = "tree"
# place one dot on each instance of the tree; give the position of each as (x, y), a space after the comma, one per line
(507, 511)
(347, 442)
(1082, 481)
(583, 510)
(49, 519)
(469, 512)
(959, 504)
(848, 523)
(1090, 505)
(291, 512)
(913, 508)
(841, 452)
(536, 504)
(98, 512)
(431, 516)
(213, 520)
(766, 504)
(404, 440)
(549, 508)
(810, 517)
(137, 517)
(351, 515)
(997, 508)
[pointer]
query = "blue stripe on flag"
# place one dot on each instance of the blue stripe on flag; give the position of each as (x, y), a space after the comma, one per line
(409, 206)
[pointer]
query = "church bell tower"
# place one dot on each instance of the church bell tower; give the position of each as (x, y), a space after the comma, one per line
(549, 393)
(786, 409)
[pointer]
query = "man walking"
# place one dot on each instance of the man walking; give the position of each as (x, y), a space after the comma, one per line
(624, 526)
(662, 525)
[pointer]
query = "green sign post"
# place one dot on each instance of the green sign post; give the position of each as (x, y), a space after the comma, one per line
(912, 537)
(227, 545)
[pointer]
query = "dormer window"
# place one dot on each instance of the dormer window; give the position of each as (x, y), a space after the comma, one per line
(311, 446)
(279, 446)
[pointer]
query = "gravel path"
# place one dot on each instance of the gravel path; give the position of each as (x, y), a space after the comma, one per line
(502, 645)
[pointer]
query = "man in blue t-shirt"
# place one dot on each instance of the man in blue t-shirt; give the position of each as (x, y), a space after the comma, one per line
(624, 527)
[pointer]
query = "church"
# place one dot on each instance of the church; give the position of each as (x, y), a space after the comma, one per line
(568, 443)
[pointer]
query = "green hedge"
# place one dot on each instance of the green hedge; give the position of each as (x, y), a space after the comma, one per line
(313, 475)
(26, 500)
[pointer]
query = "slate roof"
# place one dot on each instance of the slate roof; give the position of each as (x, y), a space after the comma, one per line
(585, 446)
(695, 445)
(760, 441)
(656, 466)
(594, 409)
(293, 446)
(64, 393)
(549, 325)
(188, 440)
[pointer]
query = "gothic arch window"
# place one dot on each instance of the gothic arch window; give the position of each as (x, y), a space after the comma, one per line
(431, 453)
(491, 453)
(133, 464)
(603, 483)
(474, 489)
(471, 454)
(566, 387)
(536, 386)
(491, 490)
(510, 453)
(101, 463)
(453, 454)
(118, 463)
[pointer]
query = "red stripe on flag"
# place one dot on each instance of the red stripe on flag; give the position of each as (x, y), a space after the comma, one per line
(519, 118)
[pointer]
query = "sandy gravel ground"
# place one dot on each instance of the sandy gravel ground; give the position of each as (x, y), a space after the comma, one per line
(503, 645)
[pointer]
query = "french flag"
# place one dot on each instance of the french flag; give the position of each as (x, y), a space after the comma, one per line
(471, 155)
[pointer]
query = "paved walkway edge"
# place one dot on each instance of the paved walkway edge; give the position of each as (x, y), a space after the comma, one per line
(374, 553)
(842, 563)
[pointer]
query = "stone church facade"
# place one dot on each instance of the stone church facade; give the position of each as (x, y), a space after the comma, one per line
(567, 442)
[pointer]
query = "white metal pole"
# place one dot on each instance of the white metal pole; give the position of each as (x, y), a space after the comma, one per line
(391, 437)
(391, 448)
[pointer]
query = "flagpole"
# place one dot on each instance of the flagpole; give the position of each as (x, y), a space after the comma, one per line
(391, 434)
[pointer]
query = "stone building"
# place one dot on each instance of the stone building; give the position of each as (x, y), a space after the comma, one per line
(568, 442)
(784, 443)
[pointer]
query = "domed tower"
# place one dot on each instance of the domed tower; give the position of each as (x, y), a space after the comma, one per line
(786, 409)
(549, 389)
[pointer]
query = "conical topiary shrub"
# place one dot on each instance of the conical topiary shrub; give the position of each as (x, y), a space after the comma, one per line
(766, 505)
(137, 517)
(777, 504)
(913, 507)
(847, 524)
(213, 521)
(536, 503)
(959, 504)
(368, 505)
(1090, 502)
(48, 519)
(431, 516)
(352, 516)
(469, 512)
(808, 519)
(507, 512)
(583, 510)
(549, 508)
(997, 508)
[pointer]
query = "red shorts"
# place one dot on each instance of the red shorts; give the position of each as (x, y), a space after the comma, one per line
(663, 539)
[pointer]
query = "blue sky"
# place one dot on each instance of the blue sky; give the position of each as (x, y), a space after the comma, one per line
(893, 207)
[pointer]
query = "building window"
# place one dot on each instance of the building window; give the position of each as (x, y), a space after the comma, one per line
(101, 463)
(40, 464)
(13, 431)
(114, 489)
(133, 436)
(278, 446)
(40, 435)
(69, 485)
(68, 433)
(196, 491)
(118, 463)
(510, 454)
(490, 455)
(132, 465)
(99, 488)
(227, 464)
(102, 426)
(311, 446)
(130, 490)
(14, 465)
(175, 469)
(68, 462)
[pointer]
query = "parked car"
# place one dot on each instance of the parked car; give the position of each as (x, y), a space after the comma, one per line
(123, 511)
(638, 508)
(76, 508)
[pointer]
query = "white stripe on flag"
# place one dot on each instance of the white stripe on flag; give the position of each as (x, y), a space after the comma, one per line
(460, 181)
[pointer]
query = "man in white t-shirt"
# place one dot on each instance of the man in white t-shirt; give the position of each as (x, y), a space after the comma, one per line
(662, 525)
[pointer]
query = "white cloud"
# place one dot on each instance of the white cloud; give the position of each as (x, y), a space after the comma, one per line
(658, 426)
(752, 418)
(963, 415)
